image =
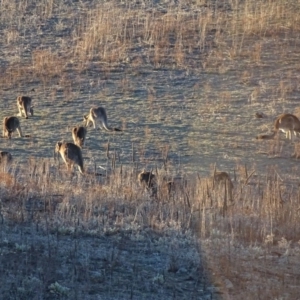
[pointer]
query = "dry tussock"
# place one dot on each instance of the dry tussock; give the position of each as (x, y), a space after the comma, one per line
(116, 34)
(261, 222)
(94, 229)
(46, 64)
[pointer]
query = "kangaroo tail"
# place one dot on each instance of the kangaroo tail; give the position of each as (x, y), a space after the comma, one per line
(266, 136)
(110, 128)
(107, 128)
(81, 169)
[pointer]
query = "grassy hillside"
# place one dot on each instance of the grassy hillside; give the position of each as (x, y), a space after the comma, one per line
(185, 81)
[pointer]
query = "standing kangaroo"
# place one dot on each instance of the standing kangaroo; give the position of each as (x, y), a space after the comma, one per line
(79, 135)
(24, 106)
(222, 180)
(11, 124)
(71, 154)
(98, 115)
(286, 123)
(148, 181)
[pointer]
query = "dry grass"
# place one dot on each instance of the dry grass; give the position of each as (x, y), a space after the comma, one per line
(245, 244)
(186, 80)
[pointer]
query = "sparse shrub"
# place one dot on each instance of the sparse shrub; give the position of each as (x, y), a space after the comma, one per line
(58, 290)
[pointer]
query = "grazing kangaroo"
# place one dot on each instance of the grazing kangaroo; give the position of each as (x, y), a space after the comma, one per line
(24, 106)
(79, 135)
(5, 157)
(171, 186)
(98, 115)
(286, 123)
(71, 154)
(148, 181)
(11, 124)
(222, 180)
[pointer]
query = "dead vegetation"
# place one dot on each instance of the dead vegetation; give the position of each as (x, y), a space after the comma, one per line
(57, 210)
(187, 80)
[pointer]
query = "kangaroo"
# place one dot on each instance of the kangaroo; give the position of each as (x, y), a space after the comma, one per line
(24, 106)
(79, 135)
(5, 157)
(11, 124)
(71, 154)
(286, 123)
(98, 114)
(173, 185)
(222, 180)
(148, 181)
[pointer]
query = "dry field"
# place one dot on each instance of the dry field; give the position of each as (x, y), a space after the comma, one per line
(185, 80)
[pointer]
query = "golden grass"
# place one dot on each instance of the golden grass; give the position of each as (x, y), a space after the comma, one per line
(261, 223)
(250, 249)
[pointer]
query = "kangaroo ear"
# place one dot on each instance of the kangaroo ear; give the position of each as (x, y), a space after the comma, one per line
(75, 129)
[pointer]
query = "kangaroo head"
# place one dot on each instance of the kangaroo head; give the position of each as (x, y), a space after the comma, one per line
(74, 130)
(58, 146)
